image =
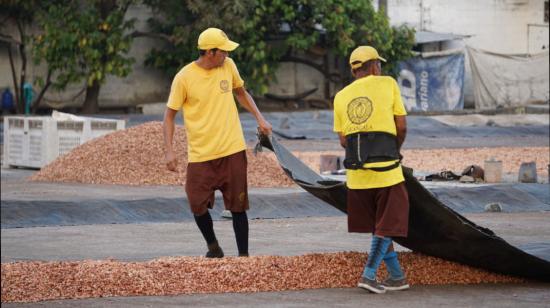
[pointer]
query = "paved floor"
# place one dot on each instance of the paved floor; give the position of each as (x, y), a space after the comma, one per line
(270, 237)
(294, 236)
(267, 237)
(450, 131)
(484, 295)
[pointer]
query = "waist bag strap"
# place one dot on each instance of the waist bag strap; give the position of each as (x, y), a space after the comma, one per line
(390, 167)
(371, 147)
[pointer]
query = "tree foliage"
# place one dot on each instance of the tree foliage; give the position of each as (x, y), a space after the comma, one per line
(20, 14)
(89, 40)
(85, 40)
(270, 30)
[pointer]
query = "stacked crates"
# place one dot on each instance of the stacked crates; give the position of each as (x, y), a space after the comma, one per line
(34, 142)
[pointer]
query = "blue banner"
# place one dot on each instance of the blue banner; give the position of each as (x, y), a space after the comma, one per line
(432, 84)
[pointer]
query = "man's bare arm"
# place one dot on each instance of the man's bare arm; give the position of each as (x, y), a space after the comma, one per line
(246, 100)
(401, 126)
(342, 140)
(168, 126)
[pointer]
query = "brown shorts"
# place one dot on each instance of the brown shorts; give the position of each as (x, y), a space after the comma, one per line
(228, 174)
(382, 211)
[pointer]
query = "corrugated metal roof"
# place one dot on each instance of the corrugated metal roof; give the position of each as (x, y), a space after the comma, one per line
(423, 37)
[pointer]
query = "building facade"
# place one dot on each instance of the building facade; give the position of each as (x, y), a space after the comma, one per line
(501, 26)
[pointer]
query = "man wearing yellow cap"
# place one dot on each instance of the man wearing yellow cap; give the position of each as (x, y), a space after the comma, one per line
(369, 118)
(204, 90)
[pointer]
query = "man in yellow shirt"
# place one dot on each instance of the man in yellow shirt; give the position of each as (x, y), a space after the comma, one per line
(369, 118)
(204, 90)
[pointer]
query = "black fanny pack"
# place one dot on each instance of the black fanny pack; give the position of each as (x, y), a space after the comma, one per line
(371, 147)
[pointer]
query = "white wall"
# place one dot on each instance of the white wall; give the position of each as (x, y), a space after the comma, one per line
(502, 26)
(144, 84)
(5, 69)
(295, 78)
(495, 25)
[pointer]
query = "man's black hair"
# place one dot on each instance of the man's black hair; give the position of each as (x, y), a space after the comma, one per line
(366, 65)
(202, 52)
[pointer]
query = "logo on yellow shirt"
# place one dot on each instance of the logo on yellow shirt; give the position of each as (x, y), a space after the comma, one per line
(359, 110)
(224, 85)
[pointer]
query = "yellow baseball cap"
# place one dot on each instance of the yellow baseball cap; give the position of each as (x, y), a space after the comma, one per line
(215, 38)
(363, 54)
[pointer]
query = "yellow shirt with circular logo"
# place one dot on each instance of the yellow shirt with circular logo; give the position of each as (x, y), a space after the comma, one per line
(369, 104)
(210, 115)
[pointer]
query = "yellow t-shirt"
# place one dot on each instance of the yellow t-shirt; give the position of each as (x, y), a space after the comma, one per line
(366, 105)
(210, 114)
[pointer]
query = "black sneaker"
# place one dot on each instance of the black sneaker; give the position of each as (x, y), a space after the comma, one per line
(371, 285)
(395, 284)
(214, 251)
(243, 254)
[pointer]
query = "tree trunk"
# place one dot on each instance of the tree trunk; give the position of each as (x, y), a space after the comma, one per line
(36, 103)
(23, 55)
(14, 76)
(91, 101)
(91, 104)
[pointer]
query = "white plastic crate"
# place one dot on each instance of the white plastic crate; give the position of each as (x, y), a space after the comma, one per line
(36, 141)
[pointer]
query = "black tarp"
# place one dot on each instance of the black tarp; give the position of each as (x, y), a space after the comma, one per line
(42, 213)
(434, 228)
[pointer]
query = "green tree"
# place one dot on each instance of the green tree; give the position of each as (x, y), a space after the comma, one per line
(271, 31)
(85, 40)
(179, 24)
(20, 14)
(372, 27)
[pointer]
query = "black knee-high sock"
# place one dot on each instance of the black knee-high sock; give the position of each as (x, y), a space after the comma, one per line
(240, 226)
(206, 226)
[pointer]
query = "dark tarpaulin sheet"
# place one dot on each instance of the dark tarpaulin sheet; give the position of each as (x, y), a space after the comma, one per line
(434, 228)
(41, 213)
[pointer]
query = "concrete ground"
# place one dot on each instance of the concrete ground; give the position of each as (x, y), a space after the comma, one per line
(456, 296)
(290, 236)
(296, 236)
(270, 237)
